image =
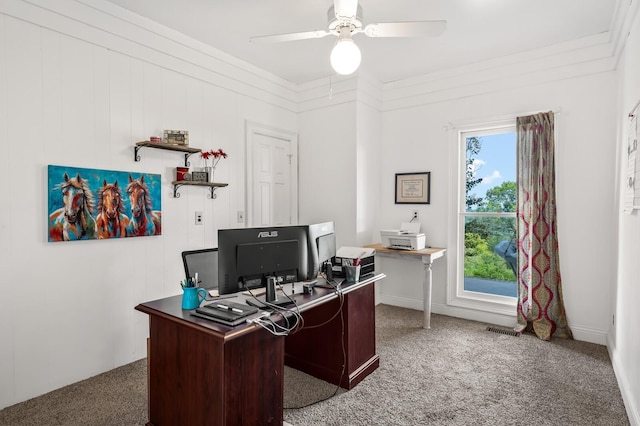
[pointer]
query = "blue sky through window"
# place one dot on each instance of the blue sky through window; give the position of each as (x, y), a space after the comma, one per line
(496, 162)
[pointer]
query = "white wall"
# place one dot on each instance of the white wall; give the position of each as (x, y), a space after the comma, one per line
(416, 118)
(624, 343)
(80, 85)
(368, 178)
(585, 164)
(74, 93)
(340, 138)
(327, 155)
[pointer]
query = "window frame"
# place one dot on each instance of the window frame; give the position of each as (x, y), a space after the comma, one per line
(456, 295)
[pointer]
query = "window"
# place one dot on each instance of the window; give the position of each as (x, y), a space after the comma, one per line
(486, 256)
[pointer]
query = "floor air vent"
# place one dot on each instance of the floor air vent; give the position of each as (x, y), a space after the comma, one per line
(503, 331)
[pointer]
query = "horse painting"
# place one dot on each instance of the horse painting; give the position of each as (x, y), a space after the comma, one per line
(73, 221)
(110, 221)
(144, 220)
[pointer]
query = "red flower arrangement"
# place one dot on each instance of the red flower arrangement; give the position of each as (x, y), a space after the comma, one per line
(216, 155)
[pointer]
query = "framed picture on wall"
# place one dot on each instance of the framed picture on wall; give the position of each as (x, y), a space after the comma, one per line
(413, 188)
(88, 204)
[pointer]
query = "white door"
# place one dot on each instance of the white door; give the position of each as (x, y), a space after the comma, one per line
(271, 176)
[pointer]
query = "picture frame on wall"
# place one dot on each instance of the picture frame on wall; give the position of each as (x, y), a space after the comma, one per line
(413, 188)
(88, 204)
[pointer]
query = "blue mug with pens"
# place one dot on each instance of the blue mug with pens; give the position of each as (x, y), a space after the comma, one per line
(192, 296)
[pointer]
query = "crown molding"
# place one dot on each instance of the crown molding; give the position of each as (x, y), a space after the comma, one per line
(571, 59)
(111, 27)
(337, 90)
(626, 11)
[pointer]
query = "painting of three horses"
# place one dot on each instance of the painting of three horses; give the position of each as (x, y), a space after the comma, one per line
(87, 204)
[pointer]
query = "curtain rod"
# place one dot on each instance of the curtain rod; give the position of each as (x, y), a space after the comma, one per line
(474, 122)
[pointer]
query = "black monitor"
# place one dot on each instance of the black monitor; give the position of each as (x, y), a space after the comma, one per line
(203, 262)
(247, 256)
(322, 247)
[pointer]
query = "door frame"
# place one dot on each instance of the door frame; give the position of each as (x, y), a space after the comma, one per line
(254, 129)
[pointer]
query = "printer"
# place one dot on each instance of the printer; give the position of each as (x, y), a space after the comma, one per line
(408, 237)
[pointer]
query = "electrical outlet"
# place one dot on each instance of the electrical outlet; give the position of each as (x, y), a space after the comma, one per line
(199, 220)
(240, 216)
(414, 215)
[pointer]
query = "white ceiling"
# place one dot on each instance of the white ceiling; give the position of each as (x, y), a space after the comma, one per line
(477, 30)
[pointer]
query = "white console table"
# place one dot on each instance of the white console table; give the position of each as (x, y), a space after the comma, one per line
(427, 255)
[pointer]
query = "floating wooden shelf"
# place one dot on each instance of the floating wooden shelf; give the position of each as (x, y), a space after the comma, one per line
(188, 151)
(211, 185)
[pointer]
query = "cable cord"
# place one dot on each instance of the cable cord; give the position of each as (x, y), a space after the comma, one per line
(341, 298)
(272, 326)
(344, 365)
(340, 294)
(288, 329)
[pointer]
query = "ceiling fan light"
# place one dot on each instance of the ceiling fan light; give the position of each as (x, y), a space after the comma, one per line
(345, 57)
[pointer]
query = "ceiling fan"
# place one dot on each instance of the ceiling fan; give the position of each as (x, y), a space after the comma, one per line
(345, 21)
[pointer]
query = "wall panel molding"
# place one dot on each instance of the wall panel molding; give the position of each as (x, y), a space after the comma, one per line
(113, 28)
(586, 56)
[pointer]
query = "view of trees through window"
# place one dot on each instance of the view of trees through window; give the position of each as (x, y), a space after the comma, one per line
(489, 217)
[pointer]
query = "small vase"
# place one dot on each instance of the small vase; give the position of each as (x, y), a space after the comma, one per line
(210, 171)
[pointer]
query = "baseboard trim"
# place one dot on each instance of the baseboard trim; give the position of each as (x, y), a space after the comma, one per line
(591, 335)
(633, 410)
(401, 302)
(452, 311)
(584, 334)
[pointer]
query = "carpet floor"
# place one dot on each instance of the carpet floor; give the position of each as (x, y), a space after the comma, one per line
(456, 373)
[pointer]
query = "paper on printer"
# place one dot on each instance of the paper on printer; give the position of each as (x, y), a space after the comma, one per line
(355, 252)
(408, 237)
(345, 256)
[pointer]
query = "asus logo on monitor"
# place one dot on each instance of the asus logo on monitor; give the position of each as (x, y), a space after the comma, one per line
(267, 234)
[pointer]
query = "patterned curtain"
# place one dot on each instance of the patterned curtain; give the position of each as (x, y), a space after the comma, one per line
(540, 302)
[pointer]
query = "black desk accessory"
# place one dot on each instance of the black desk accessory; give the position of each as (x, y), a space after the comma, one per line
(229, 313)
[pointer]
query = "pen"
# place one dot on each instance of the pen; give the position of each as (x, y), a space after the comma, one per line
(229, 308)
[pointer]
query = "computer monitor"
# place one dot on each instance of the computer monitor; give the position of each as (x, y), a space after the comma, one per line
(247, 256)
(322, 246)
(204, 262)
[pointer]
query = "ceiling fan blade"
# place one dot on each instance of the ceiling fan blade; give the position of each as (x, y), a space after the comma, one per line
(346, 10)
(405, 29)
(277, 38)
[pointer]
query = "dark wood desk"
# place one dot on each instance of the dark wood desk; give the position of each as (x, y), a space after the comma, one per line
(205, 373)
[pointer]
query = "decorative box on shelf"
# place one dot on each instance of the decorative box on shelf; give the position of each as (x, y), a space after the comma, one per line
(199, 176)
(182, 173)
(176, 137)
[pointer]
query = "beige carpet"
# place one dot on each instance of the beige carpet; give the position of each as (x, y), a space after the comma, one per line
(456, 373)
